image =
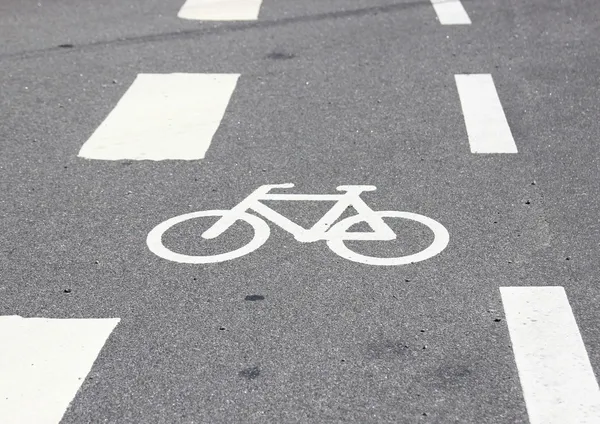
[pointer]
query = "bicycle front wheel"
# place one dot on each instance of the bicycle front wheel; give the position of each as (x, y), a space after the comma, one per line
(440, 241)
(156, 246)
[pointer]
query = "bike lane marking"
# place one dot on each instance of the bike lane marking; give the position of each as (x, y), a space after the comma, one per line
(335, 235)
(220, 10)
(43, 362)
(163, 116)
(451, 12)
(485, 121)
(557, 378)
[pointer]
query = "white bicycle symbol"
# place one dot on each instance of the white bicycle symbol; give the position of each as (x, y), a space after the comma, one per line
(334, 235)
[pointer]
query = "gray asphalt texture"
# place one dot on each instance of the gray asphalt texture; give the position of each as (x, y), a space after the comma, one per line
(337, 92)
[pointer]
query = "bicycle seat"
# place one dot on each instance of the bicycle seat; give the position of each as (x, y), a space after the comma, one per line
(270, 186)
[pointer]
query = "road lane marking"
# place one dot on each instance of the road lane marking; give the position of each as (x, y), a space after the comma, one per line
(220, 10)
(557, 378)
(43, 362)
(486, 123)
(451, 12)
(328, 228)
(163, 116)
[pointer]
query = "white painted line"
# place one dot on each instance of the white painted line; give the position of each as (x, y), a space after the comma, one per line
(558, 381)
(163, 116)
(220, 10)
(451, 12)
(43, 362)
(484, 117)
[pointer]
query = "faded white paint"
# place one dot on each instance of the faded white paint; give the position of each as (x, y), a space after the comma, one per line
(557, 378)
(486, 123)
(220, 10)
(163, 116)
(451, 12)
(43, 362)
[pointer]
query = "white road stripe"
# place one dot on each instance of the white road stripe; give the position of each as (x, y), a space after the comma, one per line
(163, 116)
(486, 123)
(43, 362)
(451, 12)
(220, 10)
(558, 381)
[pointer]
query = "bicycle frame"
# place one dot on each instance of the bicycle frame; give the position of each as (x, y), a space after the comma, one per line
(323, 229)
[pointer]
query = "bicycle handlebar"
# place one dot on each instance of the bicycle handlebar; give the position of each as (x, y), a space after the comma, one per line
(356, 188)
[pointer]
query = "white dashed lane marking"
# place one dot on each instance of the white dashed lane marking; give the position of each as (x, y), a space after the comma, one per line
(451, 12)
(43, 362)
(557, 378)
(220, 10)
(163, 116)
(486, 123)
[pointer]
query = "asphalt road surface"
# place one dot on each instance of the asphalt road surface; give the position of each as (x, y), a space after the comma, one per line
(116, 116)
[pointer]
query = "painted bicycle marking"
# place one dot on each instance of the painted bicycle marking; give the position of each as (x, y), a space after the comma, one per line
(326, 229)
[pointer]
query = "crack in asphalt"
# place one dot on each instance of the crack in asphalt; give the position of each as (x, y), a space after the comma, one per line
(217, 30)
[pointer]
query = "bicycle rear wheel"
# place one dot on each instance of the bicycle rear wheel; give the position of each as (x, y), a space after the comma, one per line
(156, 246)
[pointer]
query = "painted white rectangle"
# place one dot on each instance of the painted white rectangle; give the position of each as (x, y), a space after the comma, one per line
(163, 116)
(220, 10)
(486, 123)
(43, 362)
(557, 378)
(451, 12)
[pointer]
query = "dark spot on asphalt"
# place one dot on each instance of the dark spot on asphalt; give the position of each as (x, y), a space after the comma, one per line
(407, 280)
(254, 297)
(453, 374)
(527, 202)
(497, 319)
(387, 350)
(250, 373)
(67, 290)
(568, 258)
(222, 328)
(66, 46)
(280, 56)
